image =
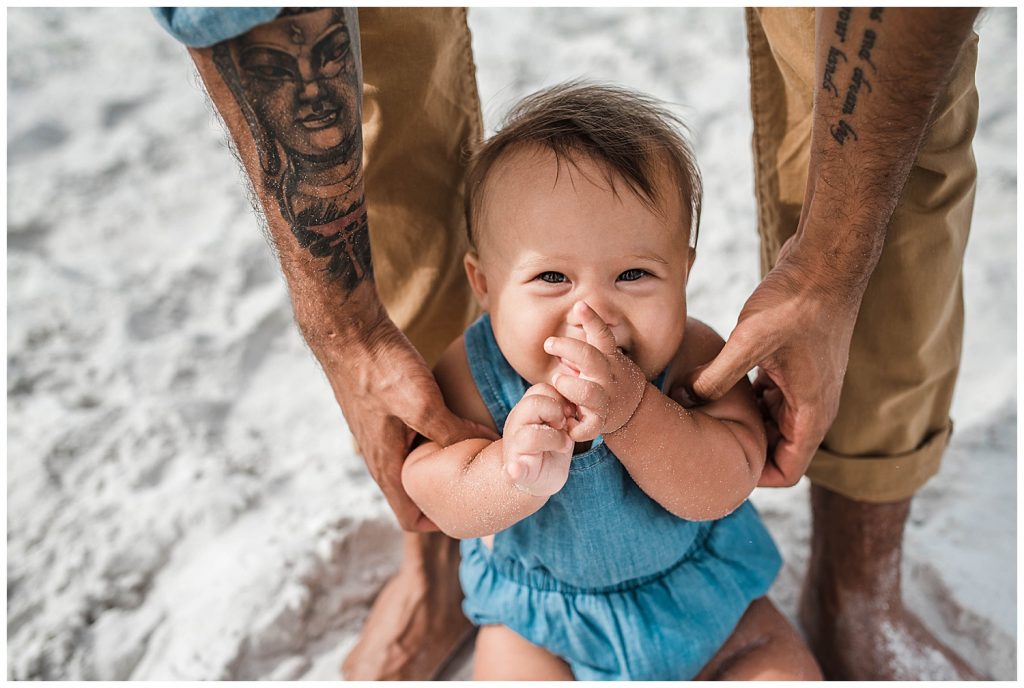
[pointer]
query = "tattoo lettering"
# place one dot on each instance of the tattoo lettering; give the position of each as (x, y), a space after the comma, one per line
(841, 130)
(830, 69)
(865, 48)
(856, 82)
(876, 13)
(842, 22)
(296, 81)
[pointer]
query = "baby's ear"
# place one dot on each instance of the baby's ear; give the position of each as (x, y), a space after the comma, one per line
(477, 278)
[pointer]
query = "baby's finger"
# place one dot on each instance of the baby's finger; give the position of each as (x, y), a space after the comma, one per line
(536, 408)
(597, 330)
(545, 390)
(535, 439)
(582, 392)
(584, 357)
(586, 426)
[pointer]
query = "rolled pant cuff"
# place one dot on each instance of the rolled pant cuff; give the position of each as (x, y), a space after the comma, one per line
(878, 479)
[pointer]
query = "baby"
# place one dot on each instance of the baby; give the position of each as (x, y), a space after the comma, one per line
(606, 535)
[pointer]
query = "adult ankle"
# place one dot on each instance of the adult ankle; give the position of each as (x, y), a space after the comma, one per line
(856, 547)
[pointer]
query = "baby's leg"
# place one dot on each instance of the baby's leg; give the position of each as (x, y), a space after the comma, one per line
(504, 655)
(764, 647)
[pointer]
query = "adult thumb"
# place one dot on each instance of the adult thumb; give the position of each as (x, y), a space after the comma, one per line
(712, 380)
(446, 429)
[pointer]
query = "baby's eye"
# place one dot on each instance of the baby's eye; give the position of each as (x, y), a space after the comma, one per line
(551, 277)
(632, 275)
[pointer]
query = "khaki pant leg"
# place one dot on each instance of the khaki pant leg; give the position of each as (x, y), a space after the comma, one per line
(893, 423)
(421, 117)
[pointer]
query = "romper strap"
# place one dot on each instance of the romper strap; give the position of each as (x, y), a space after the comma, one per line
(499, 384)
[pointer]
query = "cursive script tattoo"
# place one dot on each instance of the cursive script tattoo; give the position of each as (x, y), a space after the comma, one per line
(842, 22)
(856, 81)
(297, 83)
(831, 63)
(841, 130)
(865, 48)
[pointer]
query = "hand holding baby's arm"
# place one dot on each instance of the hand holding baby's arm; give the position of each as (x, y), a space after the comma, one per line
(609, 386)
(537, 446)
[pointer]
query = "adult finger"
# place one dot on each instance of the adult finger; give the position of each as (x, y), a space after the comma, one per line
(424, 525)
(582, 356)
(597, 331)
(389, 455)
(771, 476)
(788, 463)
(439, 424)
(741, 353)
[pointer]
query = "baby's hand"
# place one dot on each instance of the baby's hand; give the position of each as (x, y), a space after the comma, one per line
(536, 445)
(609, 386)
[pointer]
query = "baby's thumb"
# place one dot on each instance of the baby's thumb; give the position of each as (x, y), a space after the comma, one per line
(519, 470)
(514, 469)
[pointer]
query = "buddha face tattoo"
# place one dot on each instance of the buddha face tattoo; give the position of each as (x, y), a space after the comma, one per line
(297, 83)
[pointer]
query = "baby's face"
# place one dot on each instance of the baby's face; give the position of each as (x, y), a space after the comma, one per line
(547, 241)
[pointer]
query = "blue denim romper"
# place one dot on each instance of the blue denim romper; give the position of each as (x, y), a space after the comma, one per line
(602, 575)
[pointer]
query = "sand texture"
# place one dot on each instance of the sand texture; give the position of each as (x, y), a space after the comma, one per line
(183, 499)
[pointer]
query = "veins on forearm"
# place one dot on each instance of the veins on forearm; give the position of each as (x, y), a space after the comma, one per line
(297, 84)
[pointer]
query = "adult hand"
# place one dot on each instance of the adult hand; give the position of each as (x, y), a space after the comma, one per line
(388, 395)
(796, 327)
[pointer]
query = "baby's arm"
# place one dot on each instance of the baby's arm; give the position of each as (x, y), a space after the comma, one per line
(700, 463)
(478, 487)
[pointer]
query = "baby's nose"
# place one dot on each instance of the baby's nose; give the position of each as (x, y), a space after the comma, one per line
(605, 310)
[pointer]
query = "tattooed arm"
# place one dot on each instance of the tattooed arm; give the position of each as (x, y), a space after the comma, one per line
(881, 73)
(290, 94)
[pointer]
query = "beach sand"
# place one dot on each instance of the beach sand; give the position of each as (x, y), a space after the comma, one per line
(183, 500)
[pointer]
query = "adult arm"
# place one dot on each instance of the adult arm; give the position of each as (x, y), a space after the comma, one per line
(880, 73)
(289, 92)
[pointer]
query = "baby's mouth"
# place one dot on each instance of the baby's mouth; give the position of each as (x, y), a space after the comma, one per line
(319, 120)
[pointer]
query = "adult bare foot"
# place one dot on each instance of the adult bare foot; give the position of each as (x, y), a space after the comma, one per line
(851, 608)
(416, 622)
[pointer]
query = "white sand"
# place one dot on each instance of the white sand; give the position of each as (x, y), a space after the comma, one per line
(183, 500)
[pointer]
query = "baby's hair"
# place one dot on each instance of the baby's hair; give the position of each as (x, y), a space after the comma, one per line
(628, 132)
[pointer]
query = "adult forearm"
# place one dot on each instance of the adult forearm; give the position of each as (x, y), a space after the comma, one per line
(880, 73)
(464, 488)
(289, 92)
(695, 466)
